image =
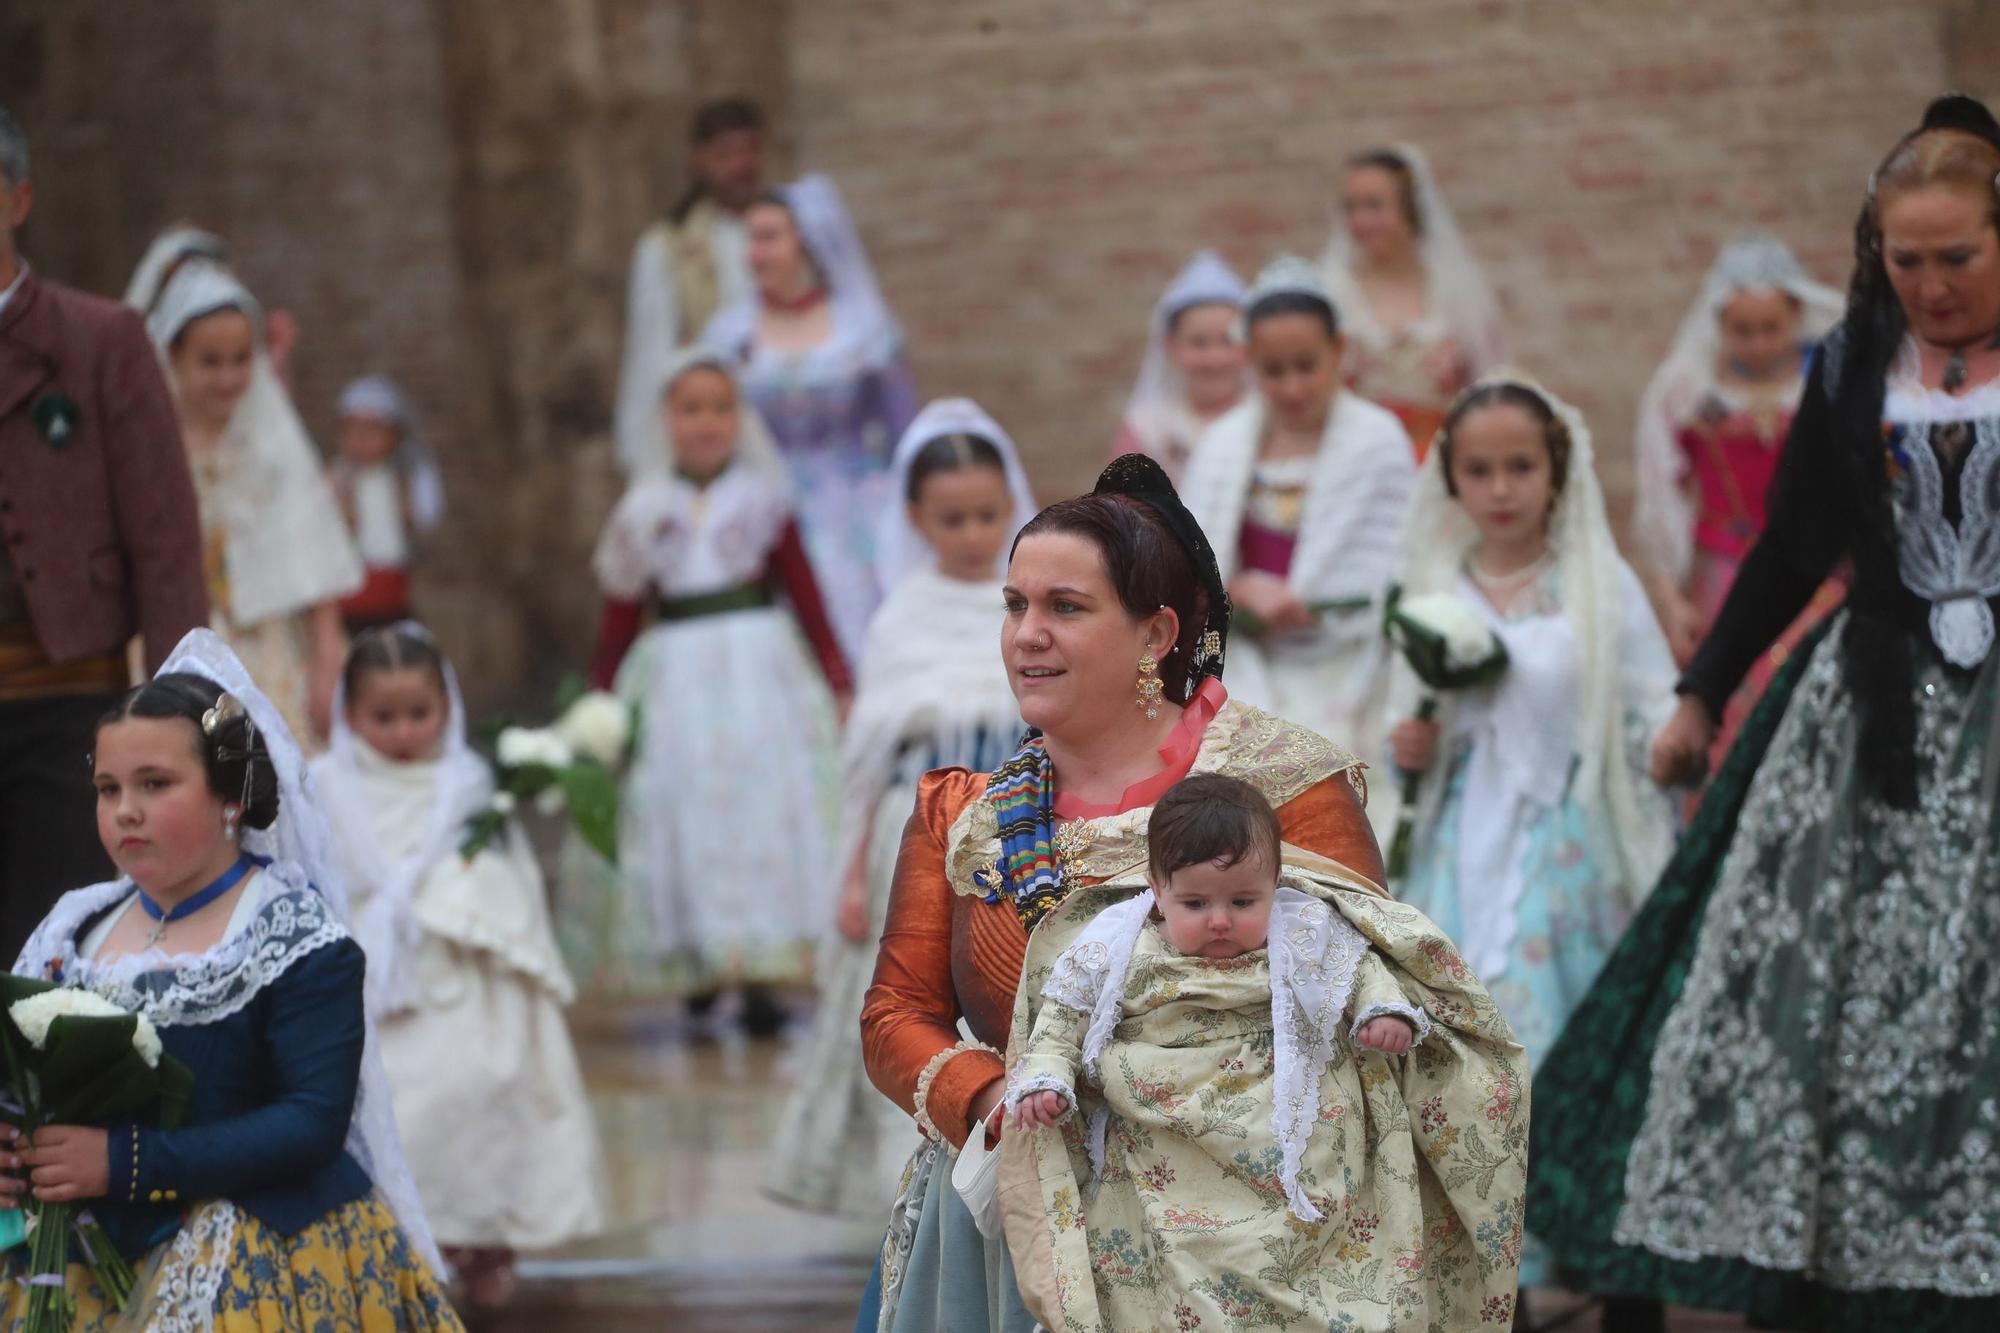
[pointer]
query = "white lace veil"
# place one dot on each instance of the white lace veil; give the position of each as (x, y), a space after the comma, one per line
(899, 547)
(380, 398)
(1205, 280)
(1436, 538)
(864, 332)
(288, 545)
(1663, 515)
(1460, 298)
(301, 836)
(461, 786)
(169, 249)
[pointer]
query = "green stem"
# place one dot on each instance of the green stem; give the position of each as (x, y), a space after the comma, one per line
(1406, 817)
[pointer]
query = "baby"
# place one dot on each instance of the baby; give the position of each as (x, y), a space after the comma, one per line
(1298, 1103)
(1213, 866)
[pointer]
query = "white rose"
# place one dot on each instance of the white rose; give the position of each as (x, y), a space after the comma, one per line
(524, 747)
(34, 1015)
(504, 802)
(1467, 639)
(550, 802)
(599, 726)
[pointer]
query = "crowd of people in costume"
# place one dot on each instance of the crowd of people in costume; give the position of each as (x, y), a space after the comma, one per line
(1052, 836)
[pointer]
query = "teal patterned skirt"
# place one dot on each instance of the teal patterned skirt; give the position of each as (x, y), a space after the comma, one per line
(1782, 1096)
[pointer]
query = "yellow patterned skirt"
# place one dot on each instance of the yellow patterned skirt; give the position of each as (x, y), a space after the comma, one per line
(353, 1271)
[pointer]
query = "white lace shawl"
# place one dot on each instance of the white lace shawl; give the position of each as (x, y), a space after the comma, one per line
(1314, 954)
(1663, 514)
(287, 547)
(680, 539)
(929, 673)
(362, 801)
(1361, 484)
(1954, 568)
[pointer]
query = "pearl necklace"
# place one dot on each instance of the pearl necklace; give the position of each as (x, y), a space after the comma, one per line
(1511, 582)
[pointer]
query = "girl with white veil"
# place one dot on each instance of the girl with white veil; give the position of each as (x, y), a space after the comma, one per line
(465, 985)
(1706, 442)
(821, 360)
(1300, 488)
(1194, 366)
(391, 492)
(1419, 312)
(279, 557)
(1537, 831)
(714, 629)
(930, 693)
(286, 1190)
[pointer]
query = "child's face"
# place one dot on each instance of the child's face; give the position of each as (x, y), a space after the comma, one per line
(1211, 910)
(212, 360)
(1205, 351)
(701, 421)
(156, 814)
(964, 515)
(1759, 331)
(400, 712)
(1298, 369)
(1501, 470)
(366, 441)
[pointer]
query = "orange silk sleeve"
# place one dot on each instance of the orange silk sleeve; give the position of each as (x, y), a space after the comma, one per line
(1329, 818)
(912, 1009)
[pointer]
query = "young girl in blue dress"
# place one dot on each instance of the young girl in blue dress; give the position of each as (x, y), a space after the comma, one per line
(284, 1203)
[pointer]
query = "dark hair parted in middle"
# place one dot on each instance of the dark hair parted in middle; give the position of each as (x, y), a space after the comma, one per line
(959, 451)
(234, 756)
(1211, 817)
(1147, 566)
(1555, 433)
(390, 648)
(1293, 303)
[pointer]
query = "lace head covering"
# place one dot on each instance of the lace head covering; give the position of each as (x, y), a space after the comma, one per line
(379, 398)
(169, 250)
(225, 977)
(461, 786)
(1436, 539)
(1146, 481)
(289, 546)
(1459, 298)
(1288, 275)
(899, 547)
(864, 332)
(1159, 392)
(1663, 517)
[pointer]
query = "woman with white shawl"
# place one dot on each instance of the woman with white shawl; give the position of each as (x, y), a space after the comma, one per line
(465, 985)
(278, 554)
(285, 1198)
(821, 360)
(1194, 366)
(1300, 489)
(1420, 315)
(931, 693)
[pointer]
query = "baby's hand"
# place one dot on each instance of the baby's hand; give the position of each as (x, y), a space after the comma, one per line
(1388, 1034)
(1041, 1110)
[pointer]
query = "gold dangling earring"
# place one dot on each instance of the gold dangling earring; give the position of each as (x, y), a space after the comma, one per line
(1150, 685)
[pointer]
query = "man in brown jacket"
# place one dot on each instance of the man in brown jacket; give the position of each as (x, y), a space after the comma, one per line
(99, 540)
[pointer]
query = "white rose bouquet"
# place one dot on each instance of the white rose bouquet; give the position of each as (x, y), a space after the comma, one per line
(1450, 647)
(72, 1057)
(571, 766)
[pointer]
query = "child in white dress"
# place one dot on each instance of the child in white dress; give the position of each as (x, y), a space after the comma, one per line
(464, 985)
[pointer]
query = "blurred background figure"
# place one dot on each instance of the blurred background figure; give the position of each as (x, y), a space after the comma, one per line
(1194, 369)
(1416, 304)
(391, 492)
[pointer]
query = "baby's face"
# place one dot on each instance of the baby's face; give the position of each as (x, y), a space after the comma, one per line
(1211, 910)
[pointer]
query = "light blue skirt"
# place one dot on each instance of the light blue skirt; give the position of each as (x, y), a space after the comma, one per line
(937, 1273)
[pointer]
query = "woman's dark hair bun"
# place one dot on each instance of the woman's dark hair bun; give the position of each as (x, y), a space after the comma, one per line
(232, 752)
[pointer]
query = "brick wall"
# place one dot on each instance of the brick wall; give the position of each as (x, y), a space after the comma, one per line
(449, 190)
